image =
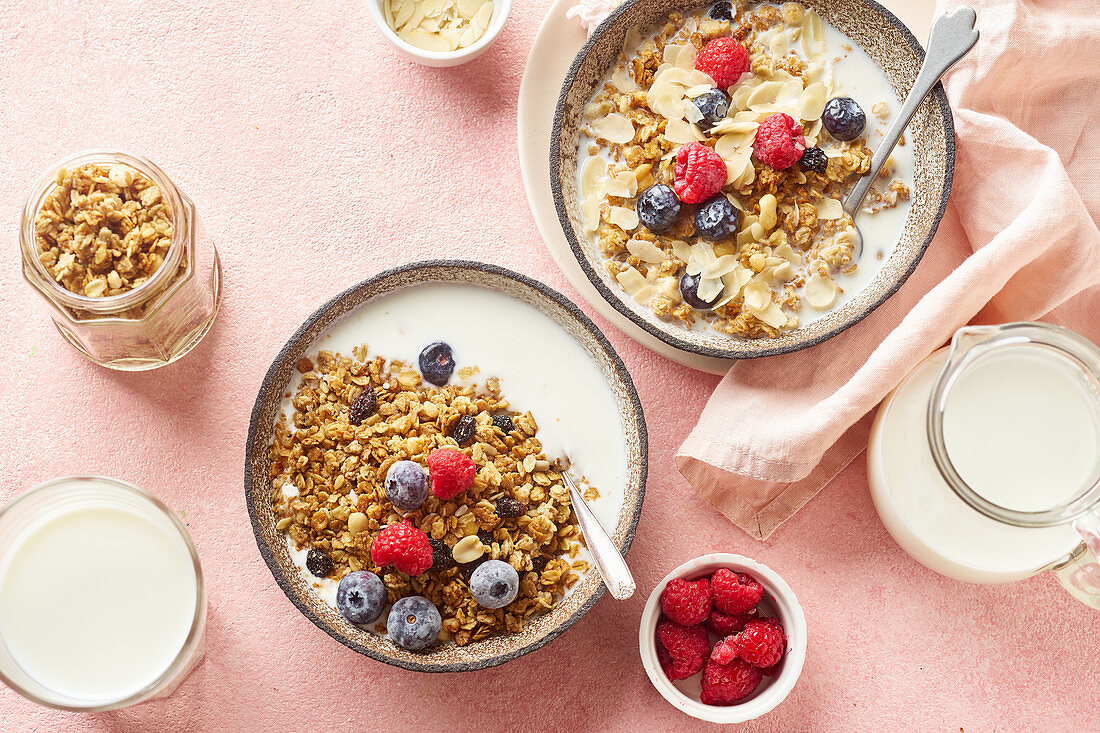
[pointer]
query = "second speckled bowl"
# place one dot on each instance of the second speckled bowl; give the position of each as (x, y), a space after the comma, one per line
(889, 44)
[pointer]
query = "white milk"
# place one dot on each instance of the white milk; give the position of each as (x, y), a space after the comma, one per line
(540, 366)
(1020, 430)
(922, 512)
(96, 603)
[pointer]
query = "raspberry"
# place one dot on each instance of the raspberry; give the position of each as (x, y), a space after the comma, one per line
(724, 60)
(452, 472)
(761, 643)
(725, 684)
(727, 624)
(404, 546)
(725, 651)
(735, 592)
(779, 142)
(700, 173)
(685, 602)
(687, 647)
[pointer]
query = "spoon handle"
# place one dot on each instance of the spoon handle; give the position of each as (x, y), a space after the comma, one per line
(953, 35)
(609, 562)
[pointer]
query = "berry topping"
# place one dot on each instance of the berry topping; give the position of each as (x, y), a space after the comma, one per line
(843, 118)
(494, 584)
(318, 562)
(713, 105)
(686, 602)
(504, 423)
(727, 624)
(814, 159)
(687, 648)
(724, 60)
(509, 508)
(689, 291)
(658, 208)
(725, 684)
(437, 363)
(360, 597)
(467, 568)
(414, 623)
(761, 643)
(779, 142)
(452, 472)
(363, 406)
(406, 485)
(721, 11)
(717, 219)
(700, 173)
(735, 592)
(725, 651)
(404, 546)
(442, 559)
(463, 429)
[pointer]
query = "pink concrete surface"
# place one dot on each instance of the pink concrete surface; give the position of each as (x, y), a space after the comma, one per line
(318, 157)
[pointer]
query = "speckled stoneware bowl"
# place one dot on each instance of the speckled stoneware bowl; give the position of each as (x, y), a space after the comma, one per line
(889, 43)
(258, 489)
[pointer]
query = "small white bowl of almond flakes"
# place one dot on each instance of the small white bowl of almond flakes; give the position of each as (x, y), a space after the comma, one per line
(440, 32)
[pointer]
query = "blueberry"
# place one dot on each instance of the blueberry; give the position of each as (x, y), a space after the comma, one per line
(406, 485)
(414, 623)
(437, 363)
(713, 105)
(509, 508)
(658, 208)
(442, 558)
(363, 406)
(814, 159)
(463, 429)
(360, 597)
(495, 584)
(717, 219)
(843, 118)
(689, 289)
(318, 562)
(721, 10)
(504, 422)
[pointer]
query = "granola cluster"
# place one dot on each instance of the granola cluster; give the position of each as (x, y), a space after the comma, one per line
(327, 479)
(793, 237)
(102, 232)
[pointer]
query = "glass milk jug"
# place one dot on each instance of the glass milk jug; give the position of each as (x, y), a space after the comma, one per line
(984, 463)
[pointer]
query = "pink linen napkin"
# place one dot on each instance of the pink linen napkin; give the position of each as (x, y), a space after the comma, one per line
(1019, 241)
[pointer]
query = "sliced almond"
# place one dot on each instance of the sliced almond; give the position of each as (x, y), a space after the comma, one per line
(467, 549)
(820, 291)
(614, 128)
(624, 218)
(646, 251)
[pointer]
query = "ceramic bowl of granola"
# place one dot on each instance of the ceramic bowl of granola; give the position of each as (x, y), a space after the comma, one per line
(407, 447)
(701, 153)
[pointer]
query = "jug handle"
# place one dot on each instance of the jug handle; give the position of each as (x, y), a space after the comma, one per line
(1080, 573)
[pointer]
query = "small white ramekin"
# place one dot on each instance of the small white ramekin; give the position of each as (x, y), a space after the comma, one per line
(501, 8)
(779, 601)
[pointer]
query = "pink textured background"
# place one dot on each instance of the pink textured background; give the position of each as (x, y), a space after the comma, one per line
(317, 158)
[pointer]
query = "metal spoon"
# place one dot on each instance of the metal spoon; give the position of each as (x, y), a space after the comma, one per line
(952, 36)
(605, 554)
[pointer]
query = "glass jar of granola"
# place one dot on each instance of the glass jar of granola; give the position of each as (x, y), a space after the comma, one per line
(120, 254)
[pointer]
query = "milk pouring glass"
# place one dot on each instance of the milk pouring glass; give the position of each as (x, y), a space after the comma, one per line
(102, 603)
(984, 463)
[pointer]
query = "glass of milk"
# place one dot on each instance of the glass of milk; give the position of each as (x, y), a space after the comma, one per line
(984, 463)
(102, 603)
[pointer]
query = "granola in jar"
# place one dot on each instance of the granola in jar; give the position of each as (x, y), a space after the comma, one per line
(714, 161)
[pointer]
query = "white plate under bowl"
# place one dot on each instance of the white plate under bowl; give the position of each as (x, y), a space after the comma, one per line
(556, 45)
